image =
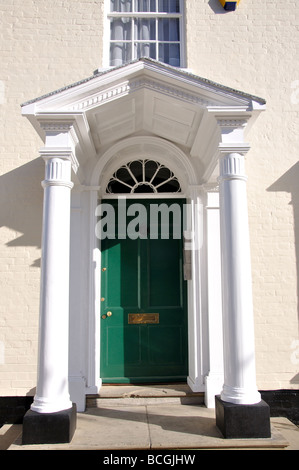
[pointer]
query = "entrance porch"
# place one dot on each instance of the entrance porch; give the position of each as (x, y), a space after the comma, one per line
(195, 128)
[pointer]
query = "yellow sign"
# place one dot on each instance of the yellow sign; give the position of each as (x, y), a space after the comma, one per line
(229, 5)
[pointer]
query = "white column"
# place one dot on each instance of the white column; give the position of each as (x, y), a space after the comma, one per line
(238, 328)
(52, 393)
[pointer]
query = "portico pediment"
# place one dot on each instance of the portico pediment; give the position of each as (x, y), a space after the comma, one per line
(146, 97)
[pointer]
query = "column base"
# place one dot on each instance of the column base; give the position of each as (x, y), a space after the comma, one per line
(49, 428)
(243, 421)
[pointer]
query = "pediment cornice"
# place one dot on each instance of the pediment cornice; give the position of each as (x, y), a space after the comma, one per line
(144, 73)
(148, 98)
(106, 95)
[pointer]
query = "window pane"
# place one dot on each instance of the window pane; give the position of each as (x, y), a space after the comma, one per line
(145, 29)
(121, 5)
(144, 49)
(144, 188)
(170, 187)
(170, 54)
(169, 29)
(123, 175)
(162, 175)
(169, 6)
(151, 168)
(137, 169)
(120, 53)
(145, 5)
(120, 29)
(115, 187)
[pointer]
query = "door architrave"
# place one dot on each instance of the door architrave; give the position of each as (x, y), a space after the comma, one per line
(170, 155)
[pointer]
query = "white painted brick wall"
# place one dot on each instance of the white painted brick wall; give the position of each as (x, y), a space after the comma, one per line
(255, 49)
(46, 45)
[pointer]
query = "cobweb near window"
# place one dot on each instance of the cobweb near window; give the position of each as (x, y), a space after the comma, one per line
(143, 176)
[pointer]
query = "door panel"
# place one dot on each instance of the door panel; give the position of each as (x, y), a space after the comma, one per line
(169, 341)
(164, 267)
(143, 276)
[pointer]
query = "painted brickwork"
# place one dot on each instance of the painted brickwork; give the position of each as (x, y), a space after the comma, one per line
(46, 45)
(255, 49)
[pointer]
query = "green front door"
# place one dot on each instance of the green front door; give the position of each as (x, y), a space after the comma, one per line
(143, 303)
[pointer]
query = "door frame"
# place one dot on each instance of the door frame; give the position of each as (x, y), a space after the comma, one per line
(196, 302)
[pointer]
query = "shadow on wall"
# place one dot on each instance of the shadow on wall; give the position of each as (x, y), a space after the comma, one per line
(21, 204)
(289, 182)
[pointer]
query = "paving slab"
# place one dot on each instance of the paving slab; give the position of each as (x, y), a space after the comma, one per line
(158, 427)
(8, 434)
(194, 427)
(113, 428)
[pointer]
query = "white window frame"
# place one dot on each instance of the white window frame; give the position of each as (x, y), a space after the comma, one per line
(109, 15)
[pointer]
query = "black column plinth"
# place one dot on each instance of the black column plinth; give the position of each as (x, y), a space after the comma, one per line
(49, 428)
(243, 421)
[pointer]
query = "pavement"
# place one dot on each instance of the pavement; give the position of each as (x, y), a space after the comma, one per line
(152, 418)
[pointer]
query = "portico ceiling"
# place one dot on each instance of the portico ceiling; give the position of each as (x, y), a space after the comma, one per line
(146, 97)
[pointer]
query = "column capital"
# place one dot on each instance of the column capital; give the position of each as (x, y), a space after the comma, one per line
(225, 148)
(58, 166)
(232, 166)
(65, 153)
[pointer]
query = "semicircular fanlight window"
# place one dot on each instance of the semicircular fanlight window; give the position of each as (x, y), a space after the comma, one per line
(143, 176)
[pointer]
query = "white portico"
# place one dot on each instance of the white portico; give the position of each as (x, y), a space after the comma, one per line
(195, 128)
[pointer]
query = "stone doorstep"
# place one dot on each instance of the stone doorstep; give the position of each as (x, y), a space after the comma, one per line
(95, 402)
(144, 395)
